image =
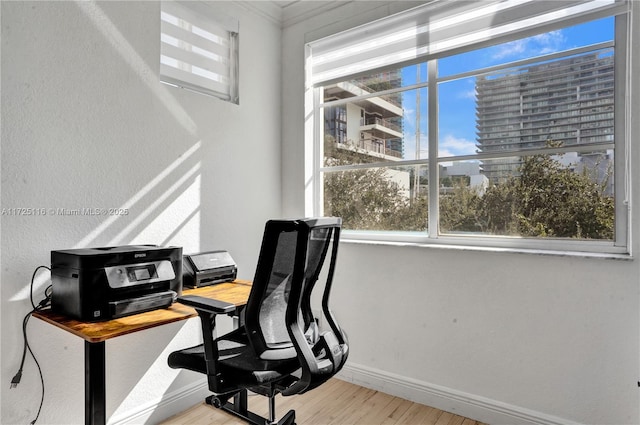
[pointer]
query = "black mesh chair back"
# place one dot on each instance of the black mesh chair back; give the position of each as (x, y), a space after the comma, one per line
(280, 348)
(291, 256)
(267, 305)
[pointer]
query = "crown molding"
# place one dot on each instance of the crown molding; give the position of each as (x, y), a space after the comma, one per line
(303, 9)
(266, 9)
(291, 13)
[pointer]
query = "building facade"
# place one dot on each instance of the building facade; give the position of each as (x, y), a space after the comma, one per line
(370, 126)
(567, 101)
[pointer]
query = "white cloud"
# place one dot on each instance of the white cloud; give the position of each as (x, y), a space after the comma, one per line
(550, 38)
(467, 94)
(548, 42)
(410, 146)
(408, 114)
(451, 146)
(512, 48)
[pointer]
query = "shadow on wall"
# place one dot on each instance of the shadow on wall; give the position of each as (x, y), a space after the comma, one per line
(95, 210)
(105, 157)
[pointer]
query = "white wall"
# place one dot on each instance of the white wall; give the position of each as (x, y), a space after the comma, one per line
(86, 123)
(498, 336)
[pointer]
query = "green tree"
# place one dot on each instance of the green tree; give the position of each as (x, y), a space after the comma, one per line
(413, 216)
(498, 209)
(547, 199)
(460, 209)
(553, 200)
(367, 199)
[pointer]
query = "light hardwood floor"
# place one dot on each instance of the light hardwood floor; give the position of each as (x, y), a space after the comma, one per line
(334, 403)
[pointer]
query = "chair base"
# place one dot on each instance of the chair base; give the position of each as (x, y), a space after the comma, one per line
(239, 408)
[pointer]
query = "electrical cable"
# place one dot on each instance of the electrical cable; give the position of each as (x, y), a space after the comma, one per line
(47, 292)
(26, 347)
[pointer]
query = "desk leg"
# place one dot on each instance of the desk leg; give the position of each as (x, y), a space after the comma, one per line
(94, 383)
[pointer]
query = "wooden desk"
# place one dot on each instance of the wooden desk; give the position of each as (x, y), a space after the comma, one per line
(95, 335)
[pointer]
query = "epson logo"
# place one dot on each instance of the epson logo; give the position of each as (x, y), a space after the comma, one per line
(140, 255)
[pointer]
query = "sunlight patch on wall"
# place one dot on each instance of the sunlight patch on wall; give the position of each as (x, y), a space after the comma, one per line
(184, 209)
(138, 65)
(177, 212)
(148, 390)
(160, 178)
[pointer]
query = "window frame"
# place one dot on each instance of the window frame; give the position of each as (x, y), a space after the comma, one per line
(622, 121)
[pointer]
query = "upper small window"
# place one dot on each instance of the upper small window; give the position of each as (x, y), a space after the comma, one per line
(199, 50)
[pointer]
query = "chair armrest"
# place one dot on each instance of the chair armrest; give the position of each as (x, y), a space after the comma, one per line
(207, 304)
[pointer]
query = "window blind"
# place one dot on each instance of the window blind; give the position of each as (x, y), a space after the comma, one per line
(198, 50)
(442, 27)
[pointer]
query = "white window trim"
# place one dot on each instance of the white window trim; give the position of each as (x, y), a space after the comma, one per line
(620, 248)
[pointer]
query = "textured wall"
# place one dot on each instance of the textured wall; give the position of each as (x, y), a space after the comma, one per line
(86, 124)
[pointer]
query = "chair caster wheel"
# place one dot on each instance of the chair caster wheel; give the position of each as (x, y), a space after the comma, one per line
(216, 402)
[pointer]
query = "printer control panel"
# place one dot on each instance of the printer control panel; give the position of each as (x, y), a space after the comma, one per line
(135, 274)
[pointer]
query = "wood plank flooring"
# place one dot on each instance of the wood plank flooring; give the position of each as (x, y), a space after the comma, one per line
(334, 403)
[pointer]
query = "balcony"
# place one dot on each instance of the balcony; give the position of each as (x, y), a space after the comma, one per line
(371, 147)
(384, 105)
(380, 128)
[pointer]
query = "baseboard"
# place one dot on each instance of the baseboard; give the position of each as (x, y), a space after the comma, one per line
(450, 400)
(164, 407)
(460, 403)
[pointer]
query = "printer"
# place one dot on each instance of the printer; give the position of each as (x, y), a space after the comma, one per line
(97, 284)
(208, 268)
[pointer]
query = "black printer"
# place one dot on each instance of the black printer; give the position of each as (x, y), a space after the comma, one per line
(96, 284)
(208, 268)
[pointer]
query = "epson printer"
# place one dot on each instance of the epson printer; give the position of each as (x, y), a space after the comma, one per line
(96, 284)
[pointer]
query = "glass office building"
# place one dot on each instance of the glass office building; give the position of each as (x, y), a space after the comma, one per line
(567, 101)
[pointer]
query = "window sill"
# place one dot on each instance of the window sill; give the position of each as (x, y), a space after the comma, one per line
(449, 245)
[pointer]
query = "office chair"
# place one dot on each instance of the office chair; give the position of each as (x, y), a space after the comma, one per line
(278, 347)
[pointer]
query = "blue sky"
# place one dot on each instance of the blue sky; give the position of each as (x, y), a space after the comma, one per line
(457, 98)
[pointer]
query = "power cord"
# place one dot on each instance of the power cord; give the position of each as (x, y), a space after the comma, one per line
(42, 304)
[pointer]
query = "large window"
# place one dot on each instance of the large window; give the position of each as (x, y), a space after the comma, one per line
(507, 133)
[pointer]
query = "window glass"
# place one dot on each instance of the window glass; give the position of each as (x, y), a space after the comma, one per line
(457, 117)
(524, 133)
(374, 129)
(567, 195)
(383, 198)
(586, 34)
(568, 100)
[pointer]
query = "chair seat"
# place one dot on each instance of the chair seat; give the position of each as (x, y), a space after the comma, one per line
(237, 358)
